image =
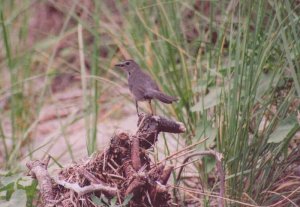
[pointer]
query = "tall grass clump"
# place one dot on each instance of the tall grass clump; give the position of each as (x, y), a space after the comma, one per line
(254, 124)
(228, 79)
(16, 60)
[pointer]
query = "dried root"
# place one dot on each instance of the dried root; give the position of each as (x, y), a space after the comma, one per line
(123, 169)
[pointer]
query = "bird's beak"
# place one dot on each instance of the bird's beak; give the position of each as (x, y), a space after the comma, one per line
(119, 65)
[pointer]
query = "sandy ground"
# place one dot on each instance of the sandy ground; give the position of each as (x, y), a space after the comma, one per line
(61, 126)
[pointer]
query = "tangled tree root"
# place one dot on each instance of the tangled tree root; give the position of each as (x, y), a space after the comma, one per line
(123, 170)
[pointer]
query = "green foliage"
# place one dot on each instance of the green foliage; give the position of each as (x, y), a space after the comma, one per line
(208, 101)
(103, 201)
(18, 198)
(17, 190)
(286, 129)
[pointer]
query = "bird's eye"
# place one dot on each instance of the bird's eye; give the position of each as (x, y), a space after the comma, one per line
(127, 63)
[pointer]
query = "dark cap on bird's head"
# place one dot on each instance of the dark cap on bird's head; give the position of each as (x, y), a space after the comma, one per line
(124, 63)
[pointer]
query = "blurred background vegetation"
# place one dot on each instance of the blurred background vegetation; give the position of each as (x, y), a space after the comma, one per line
(235, 65)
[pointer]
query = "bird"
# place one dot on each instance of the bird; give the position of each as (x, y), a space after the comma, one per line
(142, 86)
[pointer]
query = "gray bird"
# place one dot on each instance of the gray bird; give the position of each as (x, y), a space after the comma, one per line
(142, 86)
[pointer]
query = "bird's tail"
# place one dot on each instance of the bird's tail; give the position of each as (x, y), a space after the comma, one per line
(161, 97)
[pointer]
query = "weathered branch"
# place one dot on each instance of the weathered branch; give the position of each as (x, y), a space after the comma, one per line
(87, 189)
(135, 153)
(166, 175)
(38, 169)
(150, 126)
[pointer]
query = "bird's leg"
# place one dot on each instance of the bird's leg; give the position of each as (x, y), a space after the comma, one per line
(137, 107)
(150, 106)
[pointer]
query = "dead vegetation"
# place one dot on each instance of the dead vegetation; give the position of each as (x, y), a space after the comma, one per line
(123, 170)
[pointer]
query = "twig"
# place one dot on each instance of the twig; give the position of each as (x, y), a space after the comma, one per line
(184, 149)
(212, 195)
(187, 163)
(218, 156)
(111, 167)
(114, 176)
(137, 183)
(87, 189)
(92, 178)
(285, 197)
(140, 124)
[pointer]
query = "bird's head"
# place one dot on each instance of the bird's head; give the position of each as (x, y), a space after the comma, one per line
(128, 65)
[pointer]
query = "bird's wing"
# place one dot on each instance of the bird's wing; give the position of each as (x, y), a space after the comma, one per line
(149, 82)
(150, 94)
